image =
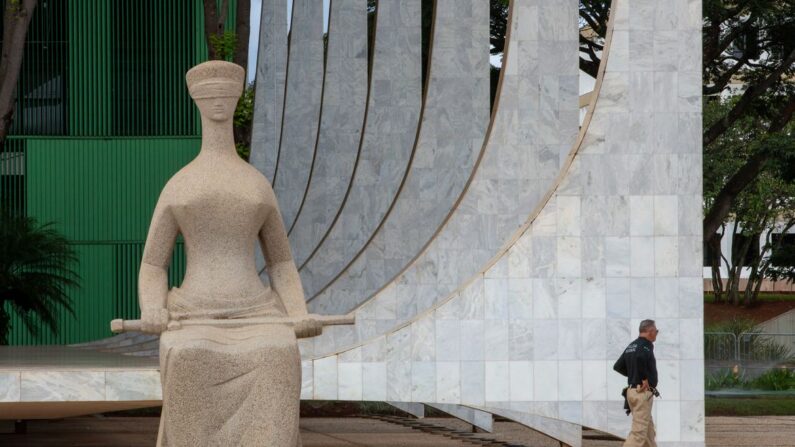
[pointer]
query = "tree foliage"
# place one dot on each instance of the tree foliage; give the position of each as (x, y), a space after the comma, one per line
(223, 44)
(36, 270)
(244, 115)
(766, 206)
(498, 25)
(751, 42)
(593, 30)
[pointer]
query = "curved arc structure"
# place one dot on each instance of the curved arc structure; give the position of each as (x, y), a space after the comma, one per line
(319, 120)
(270, 87)
(301, 117)
(327, 345)
(450, 139)
(533, 336)
(504, 168)
(346, 87)
(315, 245)
(471, 178)
(388, 142)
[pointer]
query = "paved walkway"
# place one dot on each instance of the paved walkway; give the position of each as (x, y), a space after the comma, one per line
(767, 431)
(315, 432)
(356, 432)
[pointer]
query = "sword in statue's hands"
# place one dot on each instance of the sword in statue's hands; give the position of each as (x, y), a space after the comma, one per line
(305, 326)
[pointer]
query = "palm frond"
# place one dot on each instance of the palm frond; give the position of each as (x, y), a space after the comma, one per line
(37, 272)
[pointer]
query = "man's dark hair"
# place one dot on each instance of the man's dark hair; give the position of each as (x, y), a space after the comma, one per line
(645, 325)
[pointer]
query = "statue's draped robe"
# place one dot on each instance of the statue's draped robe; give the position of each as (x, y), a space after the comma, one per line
(228, 386)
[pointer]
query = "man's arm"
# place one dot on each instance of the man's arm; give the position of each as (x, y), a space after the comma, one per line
(643, 368)
(621, 365)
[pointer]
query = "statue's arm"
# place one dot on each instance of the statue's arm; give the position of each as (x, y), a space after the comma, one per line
(153, 276)
(283, 274)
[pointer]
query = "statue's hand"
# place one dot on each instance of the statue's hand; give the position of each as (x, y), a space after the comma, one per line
(307, 328)
(154, 321)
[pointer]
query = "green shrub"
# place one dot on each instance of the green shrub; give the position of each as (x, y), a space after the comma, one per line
(736, 326)
(778, 379)
(724, 379)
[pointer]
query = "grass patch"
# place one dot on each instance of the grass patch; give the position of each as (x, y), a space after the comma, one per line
(762, 406)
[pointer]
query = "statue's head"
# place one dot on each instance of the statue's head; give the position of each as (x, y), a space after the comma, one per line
(216, 86)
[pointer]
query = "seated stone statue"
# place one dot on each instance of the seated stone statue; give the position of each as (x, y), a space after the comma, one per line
(223, 386)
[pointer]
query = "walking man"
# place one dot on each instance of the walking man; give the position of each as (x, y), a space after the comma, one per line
(638, 364)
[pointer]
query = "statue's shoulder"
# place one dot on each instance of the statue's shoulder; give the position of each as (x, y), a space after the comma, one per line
(260, 181)
(177, 186)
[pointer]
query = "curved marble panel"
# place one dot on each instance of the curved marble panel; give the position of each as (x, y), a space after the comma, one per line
(536, 120)
(344, 98)
(301, 107)
(389, 135)
(451, 136)
(616, 239)
(269, 87)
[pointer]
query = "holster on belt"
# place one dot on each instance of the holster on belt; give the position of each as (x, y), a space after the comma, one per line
(626, 402)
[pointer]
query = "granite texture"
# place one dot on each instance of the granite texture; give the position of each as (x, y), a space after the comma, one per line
(269, 89)
(301, 107)
(387, 143)
(221, 385)
(342, 118)
(452, 129)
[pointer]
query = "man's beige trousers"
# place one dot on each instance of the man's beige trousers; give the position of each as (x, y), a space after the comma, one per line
(642, 434)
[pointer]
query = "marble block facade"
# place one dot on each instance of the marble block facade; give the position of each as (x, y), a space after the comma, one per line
(516, 255)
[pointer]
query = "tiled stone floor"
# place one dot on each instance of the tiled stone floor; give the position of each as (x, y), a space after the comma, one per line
(350, 432)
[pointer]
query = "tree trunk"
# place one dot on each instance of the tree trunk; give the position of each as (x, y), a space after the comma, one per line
(242, 29)
(714, 260)
(723, 201)
(16, 20)
(212, 26)
(735, 269)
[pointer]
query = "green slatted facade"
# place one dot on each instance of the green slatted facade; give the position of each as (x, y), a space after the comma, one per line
(103, 119)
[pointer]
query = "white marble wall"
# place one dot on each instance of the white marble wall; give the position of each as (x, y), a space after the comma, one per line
(453, 126)
(301, 107)
(518, 165)
(269, 94)
(531, 331)
(83, 385)
(342, 115)
(387, 144)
